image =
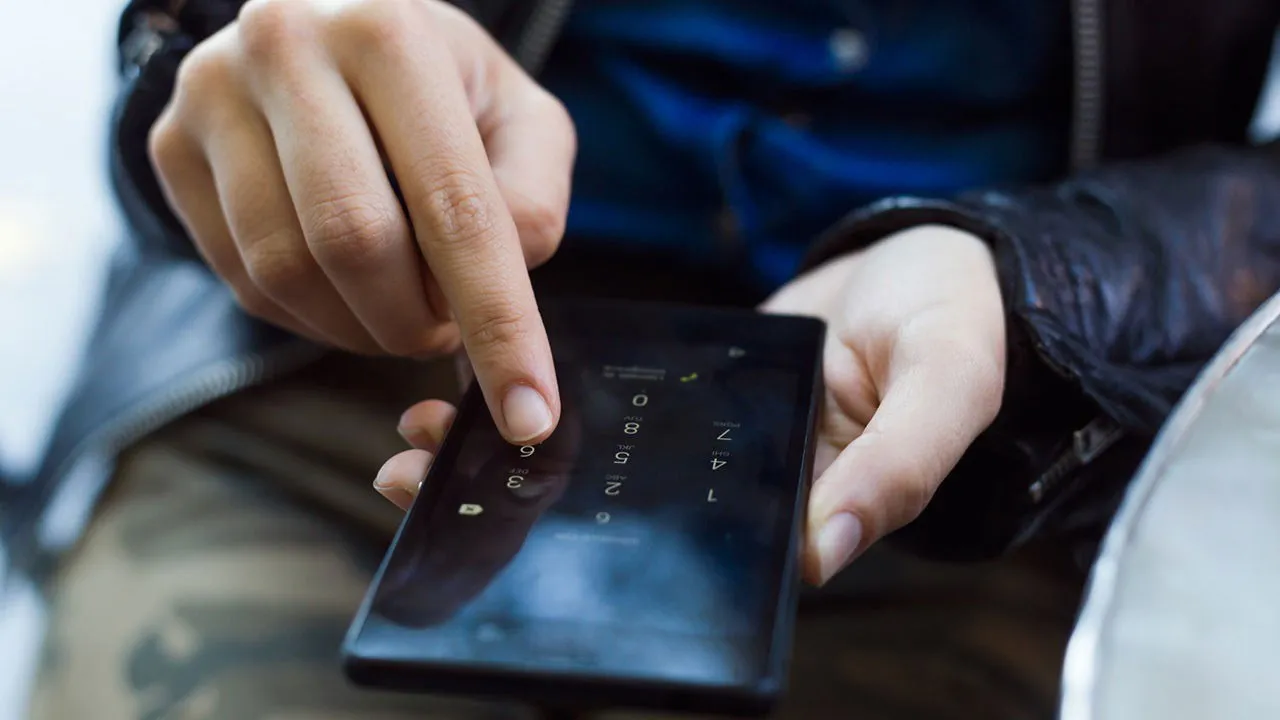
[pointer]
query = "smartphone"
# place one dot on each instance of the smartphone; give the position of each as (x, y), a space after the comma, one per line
(646, 555)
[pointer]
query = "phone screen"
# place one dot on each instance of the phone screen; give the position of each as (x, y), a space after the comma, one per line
(650, 536)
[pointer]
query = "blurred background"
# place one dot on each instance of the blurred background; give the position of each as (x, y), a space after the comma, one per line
(57, 222)
(57, 219)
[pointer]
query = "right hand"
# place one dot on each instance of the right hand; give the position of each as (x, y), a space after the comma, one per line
(275, 153)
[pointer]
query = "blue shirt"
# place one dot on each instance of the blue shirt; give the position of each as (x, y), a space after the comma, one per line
(730, 132)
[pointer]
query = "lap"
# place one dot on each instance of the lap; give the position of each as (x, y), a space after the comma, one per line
(198, 595)
(220, 574)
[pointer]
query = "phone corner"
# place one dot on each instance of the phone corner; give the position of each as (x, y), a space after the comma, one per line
(815, 323)
(353, 666)
(763, 699)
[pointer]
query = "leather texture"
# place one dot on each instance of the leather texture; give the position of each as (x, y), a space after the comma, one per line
(1121, 282)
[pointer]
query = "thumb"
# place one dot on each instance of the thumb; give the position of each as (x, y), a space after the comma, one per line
(940, 396)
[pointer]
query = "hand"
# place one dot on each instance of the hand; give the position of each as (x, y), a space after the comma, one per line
(275, 153)
(914, 371)
(449, 563)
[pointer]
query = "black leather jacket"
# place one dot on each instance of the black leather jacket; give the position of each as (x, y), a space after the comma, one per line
(1120, 281)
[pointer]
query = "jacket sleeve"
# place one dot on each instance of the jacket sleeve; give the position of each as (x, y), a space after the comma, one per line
(1120, 284)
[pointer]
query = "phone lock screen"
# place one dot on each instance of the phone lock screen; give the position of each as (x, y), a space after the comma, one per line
(648, 546)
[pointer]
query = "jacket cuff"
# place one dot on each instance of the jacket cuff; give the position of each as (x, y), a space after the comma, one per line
(147, 89)
(153, 37)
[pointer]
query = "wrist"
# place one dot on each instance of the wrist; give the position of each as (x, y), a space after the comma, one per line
(868, 225)
(951, 239)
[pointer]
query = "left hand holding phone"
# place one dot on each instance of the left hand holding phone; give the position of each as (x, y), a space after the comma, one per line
(914, 369)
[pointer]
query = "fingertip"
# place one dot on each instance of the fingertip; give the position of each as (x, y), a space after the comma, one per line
(527, 416)
(425, 425)
(398, 497)
(513, 364)
(810, 568)
(838, 540)
(403, 475)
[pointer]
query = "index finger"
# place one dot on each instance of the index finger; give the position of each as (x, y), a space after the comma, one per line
(414, 92)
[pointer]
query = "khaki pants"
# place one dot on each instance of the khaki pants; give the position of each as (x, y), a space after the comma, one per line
(220, 574)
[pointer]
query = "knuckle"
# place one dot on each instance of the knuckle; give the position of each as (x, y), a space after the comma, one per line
(541, 227)
(376, 25)
(282, 274)
(267, 27)
(164, 142)
(542, 222)
(500, 325)
(458, 209)
(204, 70)
(557, 114)
(352, 233)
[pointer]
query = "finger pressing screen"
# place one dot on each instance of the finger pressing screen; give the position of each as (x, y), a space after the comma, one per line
(412, 88)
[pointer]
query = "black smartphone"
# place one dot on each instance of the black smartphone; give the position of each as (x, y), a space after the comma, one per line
(646, 555)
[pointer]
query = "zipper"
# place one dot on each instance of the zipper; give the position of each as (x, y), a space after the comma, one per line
(1086, 121)
(1087, 444)
(62, 518)
(545, 23)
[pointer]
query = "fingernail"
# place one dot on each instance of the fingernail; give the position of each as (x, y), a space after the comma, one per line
(399, 498)
(837, 541)
(383, 480)
(526, 413)
(414, 435)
